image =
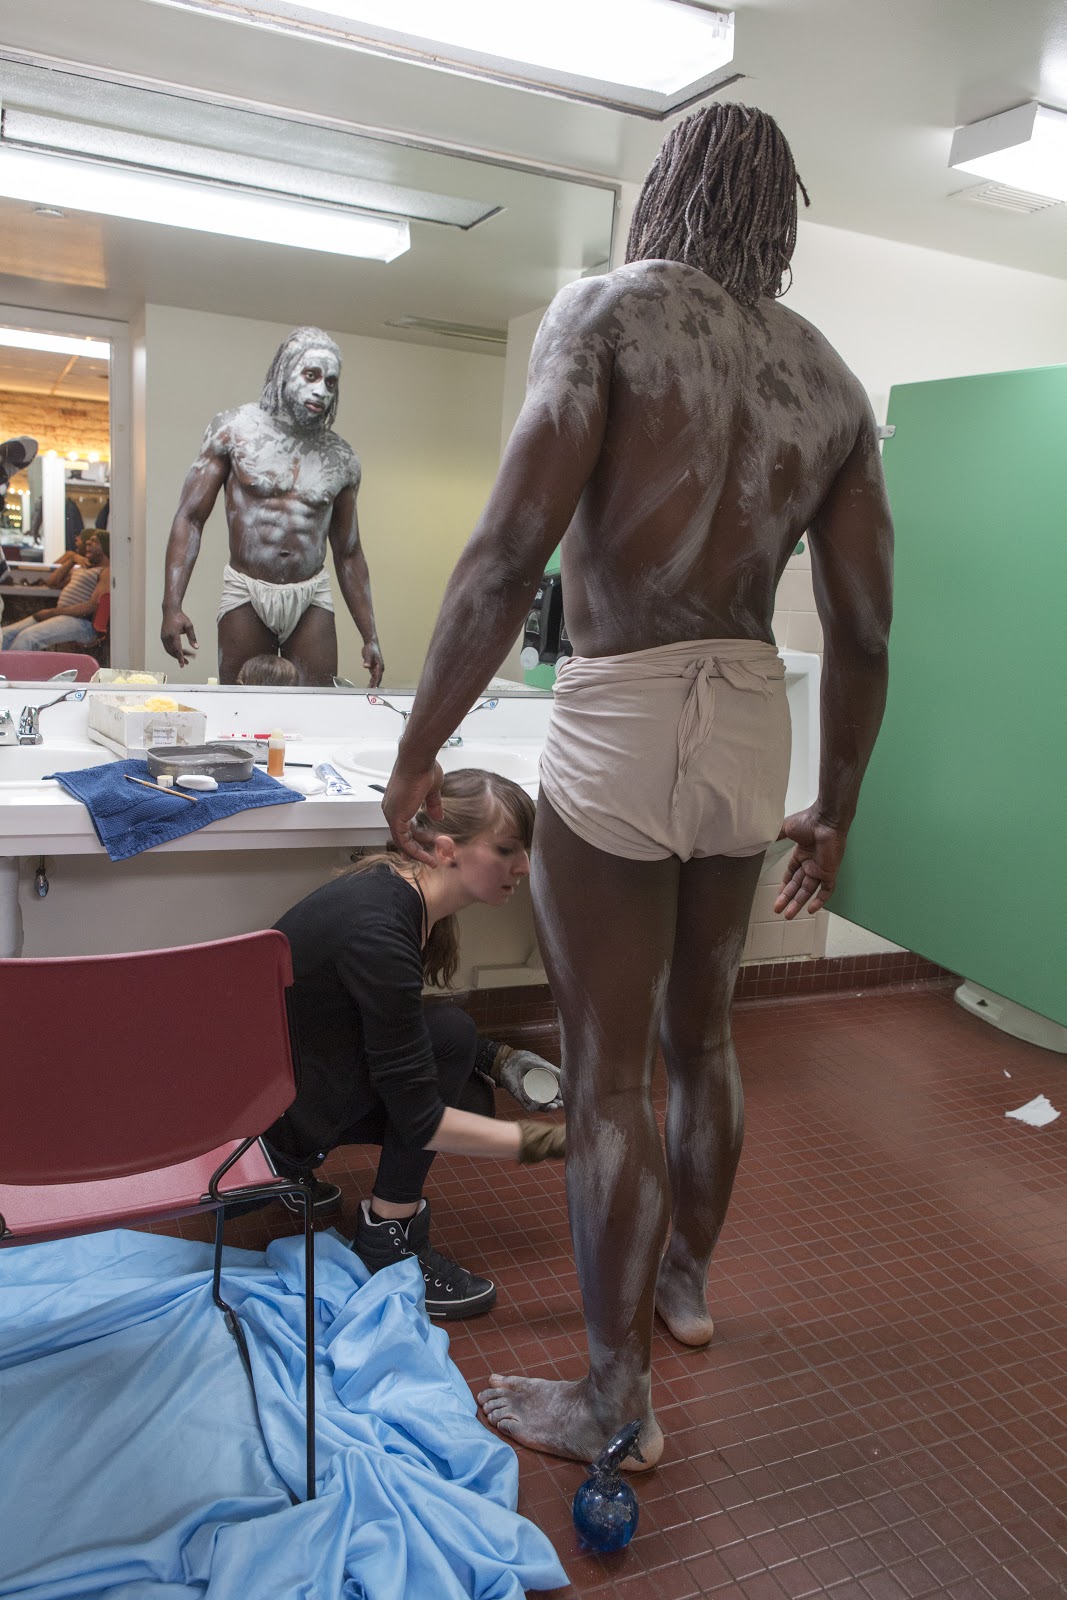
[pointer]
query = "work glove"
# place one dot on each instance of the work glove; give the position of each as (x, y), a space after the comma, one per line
(509, 1068)
(541, 1141)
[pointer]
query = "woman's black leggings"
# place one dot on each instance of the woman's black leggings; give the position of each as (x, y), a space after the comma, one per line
(402, 1172)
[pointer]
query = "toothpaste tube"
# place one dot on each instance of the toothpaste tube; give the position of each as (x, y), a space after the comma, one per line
(333, 780)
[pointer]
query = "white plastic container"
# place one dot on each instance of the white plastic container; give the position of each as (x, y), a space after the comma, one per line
(121, 723)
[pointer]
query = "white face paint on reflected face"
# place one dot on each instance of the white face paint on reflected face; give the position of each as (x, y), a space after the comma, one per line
(311, 388)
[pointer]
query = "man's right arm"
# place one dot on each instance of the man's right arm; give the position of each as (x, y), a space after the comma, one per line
(851, 541)
(200, 490)
(553, 450)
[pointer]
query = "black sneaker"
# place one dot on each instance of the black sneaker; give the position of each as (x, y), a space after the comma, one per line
(451, 1291)
(327, 1200)
(327, 1195)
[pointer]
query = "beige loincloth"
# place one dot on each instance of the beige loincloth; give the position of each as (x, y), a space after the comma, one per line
(279, 606)
(682, 750)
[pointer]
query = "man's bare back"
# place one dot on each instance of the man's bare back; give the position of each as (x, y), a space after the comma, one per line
(280, 491)
(725, 427)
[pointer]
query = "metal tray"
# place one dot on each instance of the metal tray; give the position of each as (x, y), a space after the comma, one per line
(226, 763)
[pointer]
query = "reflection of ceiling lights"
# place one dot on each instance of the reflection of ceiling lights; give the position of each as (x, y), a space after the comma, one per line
(451, 330)
(1025, 148)
(648, 56)
(56, 344)
(235, 168)
(84, 184)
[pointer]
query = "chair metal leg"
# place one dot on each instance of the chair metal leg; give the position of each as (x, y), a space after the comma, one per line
(232, 1321)
(308, 1192)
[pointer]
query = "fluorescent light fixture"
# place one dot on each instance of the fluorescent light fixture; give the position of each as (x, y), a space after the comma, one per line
(450, 330)
(58, 344)
(647, 56)
(236, 169)
(177, 202)
(1025, 148)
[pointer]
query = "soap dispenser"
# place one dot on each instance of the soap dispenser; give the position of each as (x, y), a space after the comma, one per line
(605, 1508)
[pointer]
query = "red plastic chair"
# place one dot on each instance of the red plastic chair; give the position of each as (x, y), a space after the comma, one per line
(34, 666)
(140, 1096)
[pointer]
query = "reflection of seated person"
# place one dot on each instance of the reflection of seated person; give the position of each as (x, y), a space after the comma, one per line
(380, 1067)
(274, 671)
(65, 564)
(70, 620)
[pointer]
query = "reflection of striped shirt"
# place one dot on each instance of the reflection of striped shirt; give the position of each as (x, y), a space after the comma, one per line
(78, 587)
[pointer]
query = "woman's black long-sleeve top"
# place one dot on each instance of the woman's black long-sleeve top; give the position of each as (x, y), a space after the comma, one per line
(357, 1007)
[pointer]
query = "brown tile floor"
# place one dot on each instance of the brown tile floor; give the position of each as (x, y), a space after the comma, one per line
(883, 1412)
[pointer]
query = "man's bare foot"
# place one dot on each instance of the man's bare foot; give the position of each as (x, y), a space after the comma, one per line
(563, 1420)
(681, 1300)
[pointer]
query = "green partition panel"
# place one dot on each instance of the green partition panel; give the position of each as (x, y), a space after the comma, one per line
(957, 849)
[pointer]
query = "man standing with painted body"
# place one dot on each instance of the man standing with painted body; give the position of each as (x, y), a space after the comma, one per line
(291, 486)
(683, 430)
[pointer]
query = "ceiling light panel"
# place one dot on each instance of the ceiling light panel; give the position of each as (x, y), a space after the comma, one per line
(29, 130)
(1025, 148)
(647, 56)
(86, 185)
(59, 344)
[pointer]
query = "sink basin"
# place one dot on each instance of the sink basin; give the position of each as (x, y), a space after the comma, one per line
(24, 765)
(517, 762)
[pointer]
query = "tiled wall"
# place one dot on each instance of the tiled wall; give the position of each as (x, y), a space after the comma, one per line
(60, 424)
(771, 938)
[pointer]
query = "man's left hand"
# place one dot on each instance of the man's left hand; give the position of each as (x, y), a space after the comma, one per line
(811, 872)
(407, 794)
(372, 661)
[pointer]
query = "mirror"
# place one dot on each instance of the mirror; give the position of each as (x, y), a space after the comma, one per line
(433, 345)
(54, 393)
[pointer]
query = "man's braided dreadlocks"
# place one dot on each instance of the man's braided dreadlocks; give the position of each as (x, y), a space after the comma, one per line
(722, 196)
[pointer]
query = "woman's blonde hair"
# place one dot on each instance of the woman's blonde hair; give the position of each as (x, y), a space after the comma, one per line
(472, 802)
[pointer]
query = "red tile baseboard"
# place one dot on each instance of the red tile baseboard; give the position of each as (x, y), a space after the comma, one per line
(766, 980)
(529, 1010)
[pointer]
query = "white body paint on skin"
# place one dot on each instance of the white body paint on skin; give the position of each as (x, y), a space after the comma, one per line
(743, 415)
(272, 459)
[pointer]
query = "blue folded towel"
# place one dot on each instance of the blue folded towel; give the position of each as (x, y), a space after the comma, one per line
(129, 819)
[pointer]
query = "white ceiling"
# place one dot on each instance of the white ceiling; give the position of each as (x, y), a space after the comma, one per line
(867, 91)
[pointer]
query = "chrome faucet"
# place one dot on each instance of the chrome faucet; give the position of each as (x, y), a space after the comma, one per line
(450, 744)
(457, 738)
(29, 731)
(8, 732)
(380, 700)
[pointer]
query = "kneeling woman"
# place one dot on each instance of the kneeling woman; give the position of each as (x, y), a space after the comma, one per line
(376, 1065)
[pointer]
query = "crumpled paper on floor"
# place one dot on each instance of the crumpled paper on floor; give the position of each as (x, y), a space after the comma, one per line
(1037, 1113)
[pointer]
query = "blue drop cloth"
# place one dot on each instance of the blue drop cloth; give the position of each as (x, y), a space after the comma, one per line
(135, 1466)
(129, 819)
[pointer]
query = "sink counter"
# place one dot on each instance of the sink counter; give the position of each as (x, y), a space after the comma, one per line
(346, 730)
(243, 872)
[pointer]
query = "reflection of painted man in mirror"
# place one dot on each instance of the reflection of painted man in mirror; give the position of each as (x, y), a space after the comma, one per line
(291, 485)
(682, 430)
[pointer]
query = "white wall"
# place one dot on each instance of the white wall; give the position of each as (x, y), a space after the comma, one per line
(425, 424)
(901, 314)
